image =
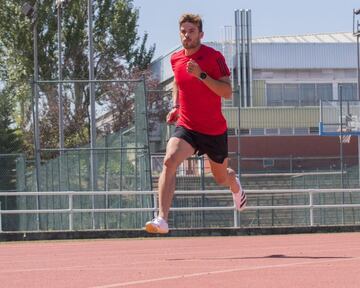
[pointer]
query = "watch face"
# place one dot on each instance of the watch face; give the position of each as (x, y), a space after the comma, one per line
(203, 75)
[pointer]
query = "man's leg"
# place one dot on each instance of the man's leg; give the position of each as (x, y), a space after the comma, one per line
(223, 175)
(177, 150)
(226, 177)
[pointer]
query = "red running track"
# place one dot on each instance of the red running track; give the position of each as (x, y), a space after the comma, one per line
(291, 261)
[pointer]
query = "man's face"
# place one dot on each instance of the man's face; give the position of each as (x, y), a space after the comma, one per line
(190, 35)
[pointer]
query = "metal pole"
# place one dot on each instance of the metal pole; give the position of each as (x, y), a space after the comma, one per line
(0, 219)
(341, 152)
(341, 138)
(358, 65)
(92, 106)
(71, 218)
(238, 145)
(36, 96)
(36, 112)
(356, 33)
(60, 95)
(202, 182)
(249, 57)
(311, 214)
(358, 90)
(121, 163)
(239, 103)
(243, 57)
(147, 138)
(237, 83)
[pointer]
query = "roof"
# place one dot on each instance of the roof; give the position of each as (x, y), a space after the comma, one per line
(340, 37)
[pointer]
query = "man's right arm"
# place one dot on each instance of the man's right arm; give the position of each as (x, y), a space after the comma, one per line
(173, 115)
(175, 95)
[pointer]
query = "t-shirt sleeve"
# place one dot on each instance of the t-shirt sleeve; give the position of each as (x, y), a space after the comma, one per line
(220, 67)
(172, 62)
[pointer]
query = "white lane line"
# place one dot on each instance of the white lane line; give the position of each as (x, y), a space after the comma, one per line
(42, 269)
(219, 272)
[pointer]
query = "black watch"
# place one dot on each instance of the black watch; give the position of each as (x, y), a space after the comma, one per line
(203, 75)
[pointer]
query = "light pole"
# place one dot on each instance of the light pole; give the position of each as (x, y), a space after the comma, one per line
(31, 13)
(60, 93)
(61, 112)
(60, 4)
(356, 33)
(93, 158)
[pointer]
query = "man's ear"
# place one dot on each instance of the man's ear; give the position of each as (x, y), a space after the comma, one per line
(201, 35)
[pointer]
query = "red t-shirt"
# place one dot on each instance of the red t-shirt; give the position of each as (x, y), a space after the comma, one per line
(200, 108)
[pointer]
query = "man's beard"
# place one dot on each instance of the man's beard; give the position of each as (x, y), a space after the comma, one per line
(191, 44)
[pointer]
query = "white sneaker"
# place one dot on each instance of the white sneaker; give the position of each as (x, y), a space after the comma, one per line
(239, 197)
(157, 225)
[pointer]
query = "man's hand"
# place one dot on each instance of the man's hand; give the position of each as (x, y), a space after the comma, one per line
(193, 68)
(172, 116)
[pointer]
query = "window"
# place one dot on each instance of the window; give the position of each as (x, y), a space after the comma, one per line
(308, 95)
(301, 131)
(280, 131)
(271, 131)
(286, 131)
(324, 91)
(257, 131)
(244, 131)
(304, 94)
(274, 94)
(314, 130)
(268, 163)
(291, 95)
(231, 131)
(348, 91)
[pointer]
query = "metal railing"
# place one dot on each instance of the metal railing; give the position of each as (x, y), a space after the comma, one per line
(71, 210)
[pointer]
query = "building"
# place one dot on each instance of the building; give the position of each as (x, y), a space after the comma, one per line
(289, 77)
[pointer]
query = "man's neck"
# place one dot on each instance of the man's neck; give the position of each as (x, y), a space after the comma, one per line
(189, 52)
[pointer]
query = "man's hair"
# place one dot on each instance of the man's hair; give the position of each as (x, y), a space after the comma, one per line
(192, 18)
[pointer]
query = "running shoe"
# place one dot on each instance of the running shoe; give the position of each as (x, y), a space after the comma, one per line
(157, 225)
(239, 197)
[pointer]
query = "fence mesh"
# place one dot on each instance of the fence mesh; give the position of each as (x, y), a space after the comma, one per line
(120, 158)
(122, 162)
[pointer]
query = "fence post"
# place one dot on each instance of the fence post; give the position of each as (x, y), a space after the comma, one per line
(202, 170)
(71, 220)
(236, 222)
(311, 208)
(155, 204)
(0, 219)
(202, 184)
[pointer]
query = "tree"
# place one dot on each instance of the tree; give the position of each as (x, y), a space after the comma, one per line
(10, 142)
(117, 47)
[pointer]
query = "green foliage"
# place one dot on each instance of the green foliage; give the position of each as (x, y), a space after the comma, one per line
(10, 142)
(118, 53)
(9, 137)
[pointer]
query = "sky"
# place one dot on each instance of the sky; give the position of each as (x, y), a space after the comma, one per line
(159, 18)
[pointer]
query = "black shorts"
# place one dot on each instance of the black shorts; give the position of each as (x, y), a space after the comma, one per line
(214, 146)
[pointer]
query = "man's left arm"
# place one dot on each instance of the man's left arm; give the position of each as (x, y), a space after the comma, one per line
(221, 86)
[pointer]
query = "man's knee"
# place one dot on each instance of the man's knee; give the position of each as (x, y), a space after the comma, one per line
(170, 162)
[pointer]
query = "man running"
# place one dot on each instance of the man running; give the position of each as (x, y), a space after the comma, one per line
(201, 78)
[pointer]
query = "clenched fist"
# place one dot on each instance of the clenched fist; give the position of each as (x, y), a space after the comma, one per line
(172, 116)
(193, 68)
